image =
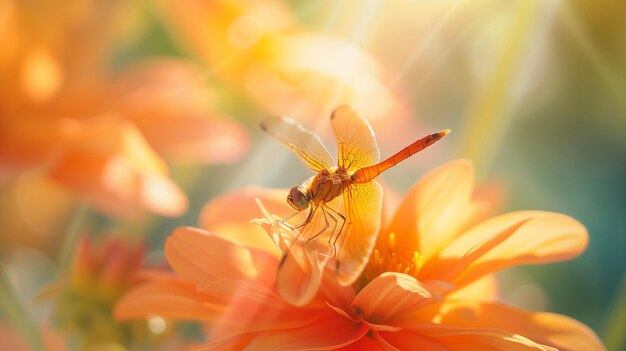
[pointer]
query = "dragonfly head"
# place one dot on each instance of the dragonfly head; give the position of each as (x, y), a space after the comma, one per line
(298, 198)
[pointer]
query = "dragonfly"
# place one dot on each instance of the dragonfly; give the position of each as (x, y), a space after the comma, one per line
(343, 196)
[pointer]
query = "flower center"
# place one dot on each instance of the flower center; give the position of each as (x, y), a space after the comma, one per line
(387, 260)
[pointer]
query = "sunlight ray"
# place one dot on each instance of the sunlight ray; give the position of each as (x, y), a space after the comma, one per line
(598, 61)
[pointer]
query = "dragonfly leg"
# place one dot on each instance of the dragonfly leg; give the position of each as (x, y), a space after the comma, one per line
(332, 242)
(320, 232)
(306, 221)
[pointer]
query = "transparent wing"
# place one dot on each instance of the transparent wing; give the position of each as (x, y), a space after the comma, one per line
(304, 143)
(356, 144)
(363, 204)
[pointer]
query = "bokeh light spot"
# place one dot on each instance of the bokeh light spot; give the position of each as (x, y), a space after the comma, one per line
(245, 31)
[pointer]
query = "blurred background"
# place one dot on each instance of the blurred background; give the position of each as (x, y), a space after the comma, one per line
(120, 120)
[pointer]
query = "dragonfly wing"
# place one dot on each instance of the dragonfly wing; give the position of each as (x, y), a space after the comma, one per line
(304, 143)
(356, 144)
(363, 205)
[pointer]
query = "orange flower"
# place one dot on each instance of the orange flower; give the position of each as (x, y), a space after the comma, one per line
(258, 48)
(416, 292)
(101, 135)
(84, 298)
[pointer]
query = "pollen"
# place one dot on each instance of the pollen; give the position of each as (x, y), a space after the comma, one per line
(388, 260)
(391, 242)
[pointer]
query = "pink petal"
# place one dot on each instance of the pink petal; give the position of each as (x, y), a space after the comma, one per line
(204, 258)
(428, 217)
(545, 237)
(390, 295)
(559, 331)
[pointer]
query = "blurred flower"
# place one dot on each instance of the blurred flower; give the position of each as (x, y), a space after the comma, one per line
(428, 284)
(101, 135)
(83, 299)
(258, 48)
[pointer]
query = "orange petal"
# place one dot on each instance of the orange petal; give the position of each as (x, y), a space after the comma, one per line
(389, 295)
(107, 160)
(250, 307)
(237, 342)
(328, 331)
(300, 274)
(218, 217)
(485, 288)
(175, 298)
(472, 339)
(427, 218)
(405, 340)
(116, 187)
(204, 258)
(559, 331)
(364, 343)
(545, 237)
(179, 120)
(196, 138)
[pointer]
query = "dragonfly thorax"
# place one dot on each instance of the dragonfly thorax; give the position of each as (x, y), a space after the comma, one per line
(328, 184)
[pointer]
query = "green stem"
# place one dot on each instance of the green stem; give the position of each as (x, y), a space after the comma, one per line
(14, 308)
(73, 231)
(615, 325)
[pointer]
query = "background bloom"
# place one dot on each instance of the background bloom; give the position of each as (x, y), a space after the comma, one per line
(101, 134)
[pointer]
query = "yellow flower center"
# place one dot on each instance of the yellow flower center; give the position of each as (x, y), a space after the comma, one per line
(387, 260)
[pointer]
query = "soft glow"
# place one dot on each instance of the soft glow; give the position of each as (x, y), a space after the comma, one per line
(41, 75)
(156, 324)
(245, 31)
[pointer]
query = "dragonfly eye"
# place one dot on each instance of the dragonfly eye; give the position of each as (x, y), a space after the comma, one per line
(297, 199)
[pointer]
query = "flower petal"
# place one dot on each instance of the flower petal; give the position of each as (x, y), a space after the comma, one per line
(426, 219)
(525, 237)
(364, 343)
(204, 258)
(485, 288)
(218, 217)
(327, 332)
(390, 295)
(555, 330)
(472, 339)
(300, 274)
(237, 342)
(247, 306)
(108, 161)
(406, 340)
(171, 298)
(185, 129)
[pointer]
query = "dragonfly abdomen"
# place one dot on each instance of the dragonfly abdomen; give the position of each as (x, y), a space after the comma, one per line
(366, 174)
